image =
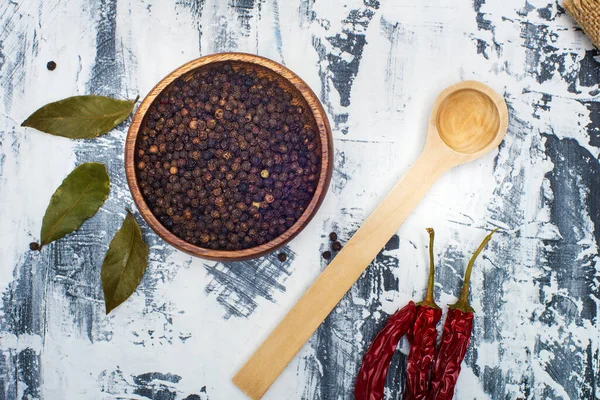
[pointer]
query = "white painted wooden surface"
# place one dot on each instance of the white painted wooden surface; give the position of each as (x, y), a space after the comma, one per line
(377, 66)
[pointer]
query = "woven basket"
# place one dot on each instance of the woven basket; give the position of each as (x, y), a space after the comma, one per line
(587, 15)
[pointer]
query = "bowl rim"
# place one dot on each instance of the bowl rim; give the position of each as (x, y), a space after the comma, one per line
(325, 136)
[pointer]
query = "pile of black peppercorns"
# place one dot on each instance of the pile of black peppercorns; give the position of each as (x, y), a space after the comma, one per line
(227, 159)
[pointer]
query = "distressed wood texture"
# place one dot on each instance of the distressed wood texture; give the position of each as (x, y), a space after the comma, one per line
(377, 67)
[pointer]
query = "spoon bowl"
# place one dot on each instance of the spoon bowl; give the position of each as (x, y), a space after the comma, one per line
(468, 120)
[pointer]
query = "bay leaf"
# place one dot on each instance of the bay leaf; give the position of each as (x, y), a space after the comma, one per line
(79, 197)
(125, 263)
(80, 117)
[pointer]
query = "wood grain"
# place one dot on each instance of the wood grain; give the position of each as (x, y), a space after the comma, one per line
(290, 82)
(464, 105)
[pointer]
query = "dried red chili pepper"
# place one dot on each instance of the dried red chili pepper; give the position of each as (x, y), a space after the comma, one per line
(423, 339)
(371, 377)
(455, 338)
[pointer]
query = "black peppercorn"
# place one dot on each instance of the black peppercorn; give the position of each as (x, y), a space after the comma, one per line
(227, 160)
(327, 255)
(51, 65)
(282, 257)
(333, 236)
(34, 246)
(336, 246)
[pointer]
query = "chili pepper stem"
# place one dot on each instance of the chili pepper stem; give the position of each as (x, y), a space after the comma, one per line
(429, 301)
(463, 301)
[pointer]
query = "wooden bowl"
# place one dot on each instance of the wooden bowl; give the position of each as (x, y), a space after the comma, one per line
(290, 82)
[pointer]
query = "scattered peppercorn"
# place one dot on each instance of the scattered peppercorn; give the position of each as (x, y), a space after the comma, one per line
(327, 255)
(336, 246)
(227, 159)
(282, 257)
(333, 236)
(34, 246)
(51, 65)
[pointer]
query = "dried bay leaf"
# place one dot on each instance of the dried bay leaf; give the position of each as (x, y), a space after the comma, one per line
(79, 197)
(124, 264)
(80, 117)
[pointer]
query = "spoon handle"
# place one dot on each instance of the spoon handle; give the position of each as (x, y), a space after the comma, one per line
(257, 375)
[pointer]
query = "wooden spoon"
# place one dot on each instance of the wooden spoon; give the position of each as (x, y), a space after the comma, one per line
(468, 120)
